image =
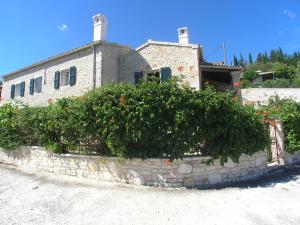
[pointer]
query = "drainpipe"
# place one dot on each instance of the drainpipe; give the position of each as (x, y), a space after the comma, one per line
(94, 67)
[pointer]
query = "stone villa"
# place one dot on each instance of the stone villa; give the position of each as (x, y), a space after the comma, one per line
(100, 62)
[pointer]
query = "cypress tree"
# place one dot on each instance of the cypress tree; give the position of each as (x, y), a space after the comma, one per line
(250, 59)
(235, 61)
(242, 61)
(259, 58)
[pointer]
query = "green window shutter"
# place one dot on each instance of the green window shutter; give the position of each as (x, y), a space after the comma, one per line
(73, 75)
(31, 86)
(12, 91)
(22, 89)
(138, 77)
(165, 74)
(57, 80)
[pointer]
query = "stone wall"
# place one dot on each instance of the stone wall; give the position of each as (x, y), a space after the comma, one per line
(290, 159)
(262, 95)
(182, 59)
(152, 172)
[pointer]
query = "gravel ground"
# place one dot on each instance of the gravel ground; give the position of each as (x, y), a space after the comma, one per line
(27, 197)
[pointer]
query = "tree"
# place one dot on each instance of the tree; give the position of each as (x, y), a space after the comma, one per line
(250, 76)
(285, 71)
(242, 61)
(265, 58)
(259, 58)
(235, 61)
(280, 55)
(250, 59)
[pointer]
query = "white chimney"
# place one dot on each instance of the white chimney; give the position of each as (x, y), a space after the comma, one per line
(183, 35)
(100, 27)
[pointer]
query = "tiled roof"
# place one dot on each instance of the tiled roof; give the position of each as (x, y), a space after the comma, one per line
(220, 66)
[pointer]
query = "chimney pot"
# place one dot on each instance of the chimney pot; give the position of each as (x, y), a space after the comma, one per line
(183, 35)
(100, 27)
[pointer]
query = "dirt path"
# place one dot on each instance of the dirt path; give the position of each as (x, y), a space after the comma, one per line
(27, 198)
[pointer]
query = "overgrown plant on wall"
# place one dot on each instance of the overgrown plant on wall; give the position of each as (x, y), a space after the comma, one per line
(151, 119)
(288, 111)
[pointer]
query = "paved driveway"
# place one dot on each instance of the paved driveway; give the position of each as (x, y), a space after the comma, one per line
(27, 198)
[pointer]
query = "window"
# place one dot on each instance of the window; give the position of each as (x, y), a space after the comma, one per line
(35, 85)
(165, 74)
(161, 75)
(153, 76)
(65, 77)
(138, 77)
(18, 90)
(38, 84)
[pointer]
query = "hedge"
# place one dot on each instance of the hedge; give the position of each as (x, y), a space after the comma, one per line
(148, 120)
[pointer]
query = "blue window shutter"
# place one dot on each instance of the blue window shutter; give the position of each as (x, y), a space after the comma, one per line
(22, 89)
(138, 77)
(165, 74)
(12, 91)
(57, 80)
(31, 86)
(73, 75)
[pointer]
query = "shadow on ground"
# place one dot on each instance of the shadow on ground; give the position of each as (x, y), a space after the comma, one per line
(280, 175)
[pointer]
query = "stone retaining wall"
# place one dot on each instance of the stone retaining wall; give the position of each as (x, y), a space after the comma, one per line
(152, 172)
(262, 95)
(290, 159)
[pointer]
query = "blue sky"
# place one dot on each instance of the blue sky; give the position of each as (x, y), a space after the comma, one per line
(32, 30)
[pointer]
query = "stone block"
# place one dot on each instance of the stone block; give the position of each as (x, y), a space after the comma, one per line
(185, 168)
(215, 178)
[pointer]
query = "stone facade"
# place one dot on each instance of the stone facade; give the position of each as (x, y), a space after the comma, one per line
(152, 56)
(262, 95)
(100, 63)
(152, 172)
(106, 59)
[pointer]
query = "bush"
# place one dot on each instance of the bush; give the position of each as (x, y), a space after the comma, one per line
(284, 71)
(149, 120)
(278, 83)
(9, 133)
(250, 75)
(289, 112)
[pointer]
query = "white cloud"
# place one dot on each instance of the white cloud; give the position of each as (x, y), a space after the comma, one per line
(290, 14)
(62, 27)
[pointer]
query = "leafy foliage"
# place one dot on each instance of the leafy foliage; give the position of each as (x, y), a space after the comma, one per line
(288, 111)
(149, 120)
(9, 134)
(250, 75)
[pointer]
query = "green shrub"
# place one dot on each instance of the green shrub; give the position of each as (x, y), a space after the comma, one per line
(9, 133)
(278, 83)
(149, 120)
(250, 75)
(289, 112)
